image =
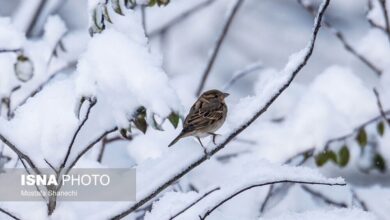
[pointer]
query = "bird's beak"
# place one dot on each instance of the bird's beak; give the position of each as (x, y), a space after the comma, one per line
(225, 94)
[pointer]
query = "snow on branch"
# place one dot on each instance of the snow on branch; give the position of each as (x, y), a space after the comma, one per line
(208, 212)
(293, 67)
(214, 53)
(340, 36)
(9, 214)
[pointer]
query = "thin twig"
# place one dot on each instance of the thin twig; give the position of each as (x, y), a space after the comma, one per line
(194, 202)
(106, 141)
(210, 63)
(356, 129)
(20, 153)
(359, 200)
(305, 155)
(43, 84)
(9, 214)
(208, 212)
(339, 35)
(10, 50)
(35, 17)
(92, 103)
(385, 17)
(241, 73)
(323, 197)
(262, 109)
(380, 107)
(143, 19)
(372, 22)
(89, 146)
(180, 18)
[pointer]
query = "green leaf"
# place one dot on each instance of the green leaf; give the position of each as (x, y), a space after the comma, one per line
(116, 6)
(106, 14)
(152, 2)
(162, 2)
(379, 163)
(361, 138)
(156, 125)
(343, 157)
(174, 119)
(125, 133)
(325, 156)
(141, 124)
(380, 127)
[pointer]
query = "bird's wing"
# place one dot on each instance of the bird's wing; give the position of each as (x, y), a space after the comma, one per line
(203, 115)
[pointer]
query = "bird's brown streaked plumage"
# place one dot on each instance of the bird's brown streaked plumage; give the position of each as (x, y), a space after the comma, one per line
(205, 117)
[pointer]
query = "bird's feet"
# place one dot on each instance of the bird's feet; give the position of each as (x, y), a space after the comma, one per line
(214, 135)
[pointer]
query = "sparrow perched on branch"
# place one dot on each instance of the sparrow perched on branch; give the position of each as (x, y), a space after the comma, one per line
(205, 117)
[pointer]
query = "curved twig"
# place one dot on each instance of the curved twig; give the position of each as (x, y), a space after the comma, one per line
(251, 68)
(380, 107)
(92, 102)
(264, 184)
(193, 203)
(294, 70)
(218, 43)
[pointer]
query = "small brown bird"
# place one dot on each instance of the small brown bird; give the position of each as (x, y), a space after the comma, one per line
(205, 117)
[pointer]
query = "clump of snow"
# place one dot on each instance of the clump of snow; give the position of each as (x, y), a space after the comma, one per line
(10, 37)
(375, 46)
(120, 71)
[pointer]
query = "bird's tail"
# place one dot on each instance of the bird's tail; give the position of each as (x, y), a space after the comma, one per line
(176, 139)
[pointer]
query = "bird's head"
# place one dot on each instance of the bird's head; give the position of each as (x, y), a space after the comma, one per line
(215, 94)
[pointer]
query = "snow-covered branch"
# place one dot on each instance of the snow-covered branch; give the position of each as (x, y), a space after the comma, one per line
(204, 216)
(214, 53)
(9, 214)
(194, 202)
(296, 63)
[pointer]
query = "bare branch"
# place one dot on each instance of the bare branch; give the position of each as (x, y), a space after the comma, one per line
(264, 184)
(262, 109)
(218, 44)
(180, 18)
(194, 202)
(106, 141)
(339, 35)
(299, 159)
(380, 107)
(10, 50)
(19, 153)
(92, 102)
(9, 214)
(251, 68)
(383, 4)
(346, 136)
(323, 197)
(143, 19)
(356, 198)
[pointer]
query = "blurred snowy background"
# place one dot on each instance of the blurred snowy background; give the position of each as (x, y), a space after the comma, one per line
(52, 72)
